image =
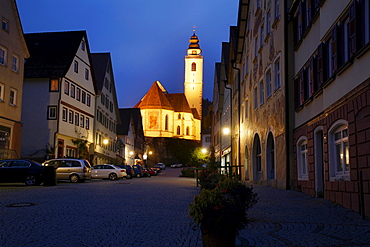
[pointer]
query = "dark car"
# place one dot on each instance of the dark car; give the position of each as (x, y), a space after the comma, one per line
(24, 171)
(138, 171)
(130, 172)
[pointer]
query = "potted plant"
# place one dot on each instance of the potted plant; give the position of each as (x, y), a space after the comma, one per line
(222, 211)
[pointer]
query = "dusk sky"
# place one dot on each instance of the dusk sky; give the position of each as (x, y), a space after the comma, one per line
(147, 39)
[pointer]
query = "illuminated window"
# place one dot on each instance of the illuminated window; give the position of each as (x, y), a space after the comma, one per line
(193, 67)
(54, 85)
(339, 152)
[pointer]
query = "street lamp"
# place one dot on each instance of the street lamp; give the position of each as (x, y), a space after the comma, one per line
(204, 150)
(226, 131)
(105, 141)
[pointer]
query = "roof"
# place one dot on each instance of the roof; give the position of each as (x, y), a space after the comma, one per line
(51, 53)
(179, 102)
(154, 99)
(100, 62)
(126, 114)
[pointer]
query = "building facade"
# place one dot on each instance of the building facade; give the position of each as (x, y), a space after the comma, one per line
(13, 51)
(107, 115)
(59, 96)
(332, 100)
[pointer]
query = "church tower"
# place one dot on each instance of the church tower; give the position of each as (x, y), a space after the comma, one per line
(193, 86)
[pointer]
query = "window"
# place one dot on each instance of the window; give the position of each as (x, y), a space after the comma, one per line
(268, 23)
(73, 90)
(246, 108)
(277, 83)
(70, 116)
(339, 151)
(5, 25)
(106, 83)
(87, 125)
(178, 130)
(2, 88)
(54, 85)
(193, 67)
(83, 98)
(166, 122)
(255, 98)
(15, 63)
(3, 56)
(77, 119)
(262, 39)
(262, 93)
(187, 131)
(75, 66)
(83, 45)
(277, 9)
(179, 116)
(66, 87)
(52, 112)
(78, 94)
(64, 114)
(82, 121)
(86, 74)
(302, 159)
(110, 106)
(268, 84)
(88, 99)
(13, 97)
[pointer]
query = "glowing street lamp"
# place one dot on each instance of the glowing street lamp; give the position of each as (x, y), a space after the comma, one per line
(204, 150)
(226, 131)
(105, 141)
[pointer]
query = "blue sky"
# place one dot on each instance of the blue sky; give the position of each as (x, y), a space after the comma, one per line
(147, 39)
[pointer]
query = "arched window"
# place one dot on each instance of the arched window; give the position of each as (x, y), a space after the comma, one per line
(178, 130)
(166, 123)
(193, 66)
(257, 162)
(179, 116)
(302, 158)
(270, 157)
(187, 130)
(339, 151)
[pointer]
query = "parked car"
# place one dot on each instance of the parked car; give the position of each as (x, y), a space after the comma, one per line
(108, 171)
(138, 171)
(176, 165)
(23, 171)
(76, 170)
(146, 173)
(152, 172)
(129, 171)
(157, 168)
(161, 165)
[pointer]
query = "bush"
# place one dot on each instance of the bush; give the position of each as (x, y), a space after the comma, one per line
(208, 178)
(187, 172)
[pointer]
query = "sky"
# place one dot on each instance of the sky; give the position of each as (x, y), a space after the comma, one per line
(147, 39)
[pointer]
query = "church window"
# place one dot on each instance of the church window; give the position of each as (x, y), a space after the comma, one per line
(193, 67)
(178, 130)
(166, 123)
(187, 130)
(179, 116)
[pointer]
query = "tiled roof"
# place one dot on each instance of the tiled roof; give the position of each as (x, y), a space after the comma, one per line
(195, 113)
(178, 102)
(154, 99)
(51, 53)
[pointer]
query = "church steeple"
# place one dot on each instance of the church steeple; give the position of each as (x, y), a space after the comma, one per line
(193, 85)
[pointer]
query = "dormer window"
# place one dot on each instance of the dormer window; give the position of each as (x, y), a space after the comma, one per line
(83, 45)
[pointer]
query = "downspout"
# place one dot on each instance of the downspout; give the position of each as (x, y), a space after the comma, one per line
(239, 158)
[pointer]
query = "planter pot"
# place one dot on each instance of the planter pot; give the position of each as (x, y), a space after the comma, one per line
(219, 238)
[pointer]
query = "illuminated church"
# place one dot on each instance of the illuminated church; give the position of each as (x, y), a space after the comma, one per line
(176, 115)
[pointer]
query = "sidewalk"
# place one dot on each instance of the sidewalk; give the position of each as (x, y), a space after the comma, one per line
(290, 218)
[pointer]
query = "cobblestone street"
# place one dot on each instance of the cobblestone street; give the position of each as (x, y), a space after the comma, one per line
(153, 212)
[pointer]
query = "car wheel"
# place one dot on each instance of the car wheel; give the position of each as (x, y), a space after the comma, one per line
(74, 178)
(138, 175)
(30, 180)
(128, 176)
(113, 176)
(149, 175)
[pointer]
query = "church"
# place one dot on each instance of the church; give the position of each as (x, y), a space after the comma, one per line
(176, 115)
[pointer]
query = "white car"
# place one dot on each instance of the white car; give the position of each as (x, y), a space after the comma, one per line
(161, 165)
(176, 165)
(108, 171)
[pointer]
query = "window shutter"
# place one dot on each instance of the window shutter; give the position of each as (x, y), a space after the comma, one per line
(312, 76)
(334, 55)
(352, 29)
(360, 24)
(320, 65)
(296, 92)
(302, 87)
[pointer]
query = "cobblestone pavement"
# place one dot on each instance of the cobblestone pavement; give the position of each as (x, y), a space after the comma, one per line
(153, 212)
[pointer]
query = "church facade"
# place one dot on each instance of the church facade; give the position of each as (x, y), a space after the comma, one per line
(176, 115)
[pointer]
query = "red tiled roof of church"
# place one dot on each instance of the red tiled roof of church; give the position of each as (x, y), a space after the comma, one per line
(155, 98)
